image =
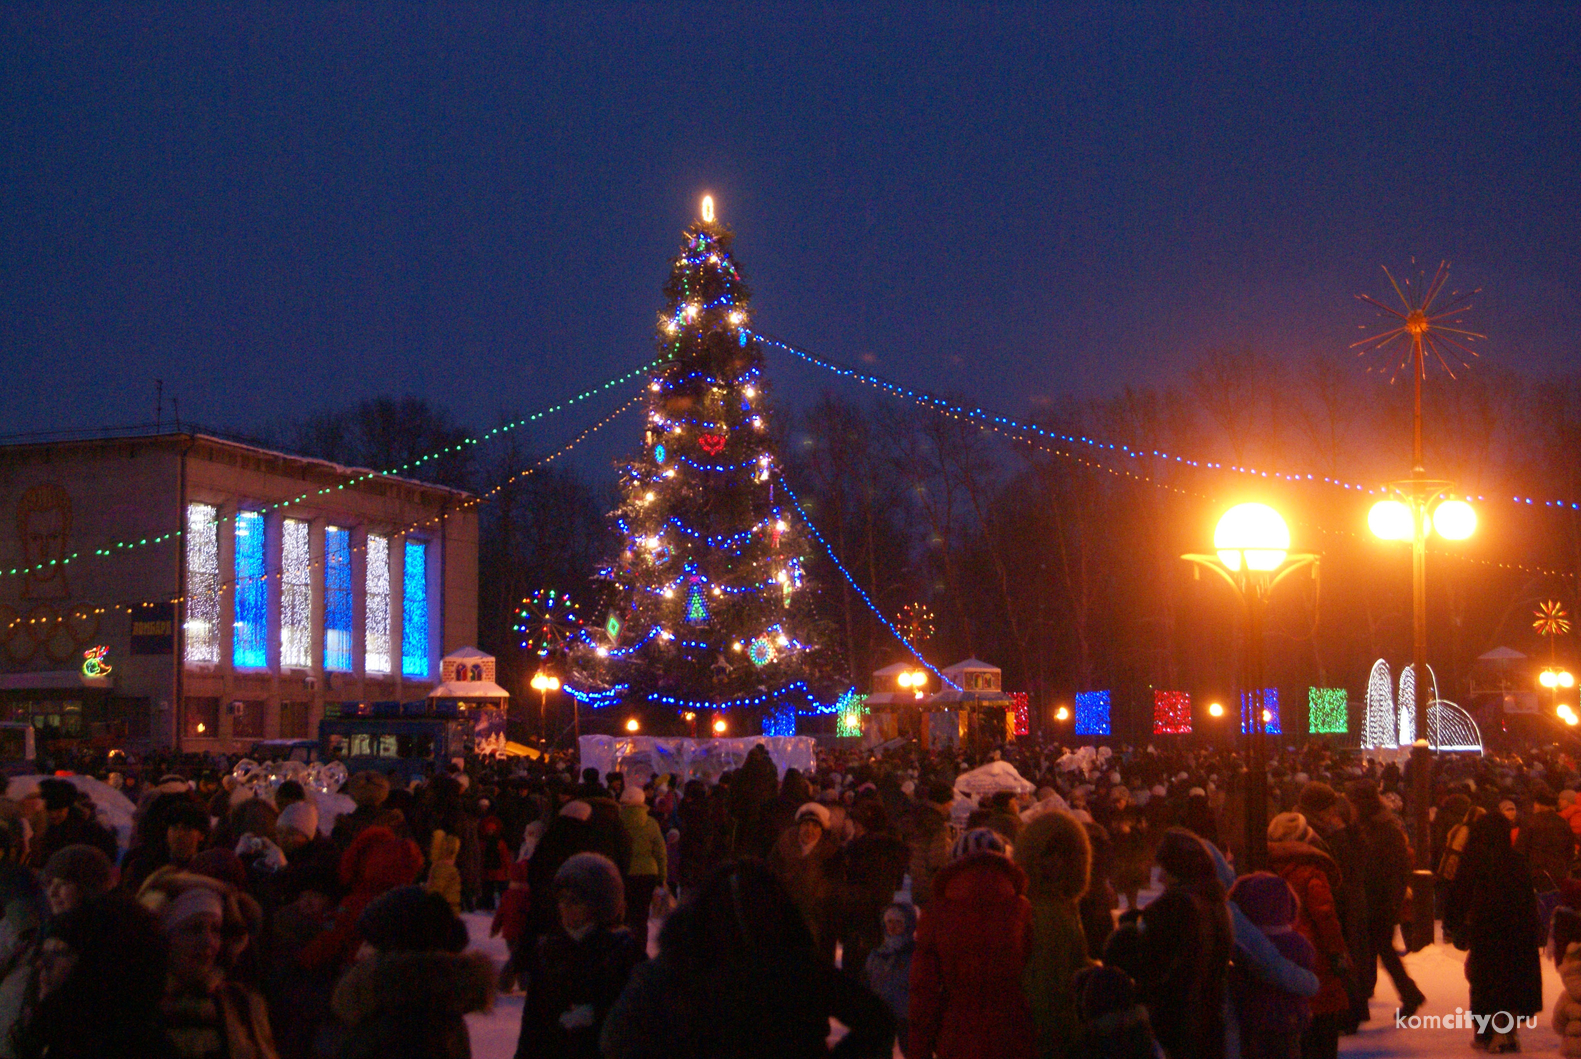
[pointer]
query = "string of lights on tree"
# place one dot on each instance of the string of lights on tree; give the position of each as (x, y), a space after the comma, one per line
(940, 404)
(708, 595)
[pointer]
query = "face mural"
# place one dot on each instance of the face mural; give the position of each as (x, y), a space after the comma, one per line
(43, 524)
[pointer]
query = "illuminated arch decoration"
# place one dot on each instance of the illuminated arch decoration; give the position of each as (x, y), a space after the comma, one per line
(1391, 720)
(1092, 713)
(1171, 713)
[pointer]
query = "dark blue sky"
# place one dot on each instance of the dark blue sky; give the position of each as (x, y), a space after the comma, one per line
(276, 210)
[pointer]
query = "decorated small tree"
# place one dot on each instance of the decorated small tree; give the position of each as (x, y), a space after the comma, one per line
(709, 604)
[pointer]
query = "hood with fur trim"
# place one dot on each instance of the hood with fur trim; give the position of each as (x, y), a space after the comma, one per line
(436, 983)
(1056, 855)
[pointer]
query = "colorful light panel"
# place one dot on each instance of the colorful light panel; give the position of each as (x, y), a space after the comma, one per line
(1270, 703)
(337, 600)
(1092, 713)
(249, 643)
(414, 610)
(202, 628)
(1171, 713)
(1326, 711)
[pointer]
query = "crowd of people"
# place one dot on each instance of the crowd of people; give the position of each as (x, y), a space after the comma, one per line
(1095, 904)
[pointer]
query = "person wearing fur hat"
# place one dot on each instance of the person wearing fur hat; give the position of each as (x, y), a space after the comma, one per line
(409, 999)
(887, 968)
(649, 859)
(206, 1012)
(803, 858)
(1273, 1023)
(972, 945)
(1178, 950)
(67, 823)
(76, 874)
(578, 970)
(1296, 854)
(1056, 856)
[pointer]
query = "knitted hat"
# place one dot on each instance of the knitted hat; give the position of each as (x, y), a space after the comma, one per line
(1289, 827)
(57, 793)
(1265, 898)
(978, 840)
(633, 795)
(301, 817)
(593, 879)
(814, 811)
(411, 919)
(1316, 799)
(85, 866)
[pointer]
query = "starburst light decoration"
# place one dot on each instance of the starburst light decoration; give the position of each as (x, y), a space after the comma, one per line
(548, 622)
(1551, 619)
(1426, 323)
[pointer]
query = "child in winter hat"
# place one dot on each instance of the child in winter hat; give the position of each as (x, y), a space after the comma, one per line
(888, 969)
(1271, 1020)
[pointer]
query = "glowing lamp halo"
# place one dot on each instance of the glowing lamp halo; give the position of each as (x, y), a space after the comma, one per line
(708, 209)
(1255, 531)
(1455, 520)
(1390, 520)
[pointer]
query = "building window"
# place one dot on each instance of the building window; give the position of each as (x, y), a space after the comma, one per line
(247, 720)
(293, 720)
(337, 600)
(296, 596)
(376, 623)
(200, 717)
(249, 647)
(203, 583)
(414, 611)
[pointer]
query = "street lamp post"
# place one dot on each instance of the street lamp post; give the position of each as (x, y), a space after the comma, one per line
(1420, 508)
(1252, 546)
(543, 683)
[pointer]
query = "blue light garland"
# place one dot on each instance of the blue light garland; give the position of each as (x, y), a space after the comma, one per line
(852, 582)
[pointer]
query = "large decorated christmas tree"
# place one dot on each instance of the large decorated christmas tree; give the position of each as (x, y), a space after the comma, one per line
(709, 606)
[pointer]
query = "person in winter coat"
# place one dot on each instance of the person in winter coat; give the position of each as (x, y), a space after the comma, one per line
(444, 878)
(1132, 870)
(1294, 854)
(1114, 1025)
(887, 970)
(1055, 855)
(929, 838)
(369, 790)
(102, 970)
(867, 872)
(1547, 842)
(1097, 904)
(410, 998)
(510, 923)
(578, 971)
(1570, 811)
(206, 1011)
(1566, 1019)
(1492, 911)
(802, 859)
(570, 832)
(375, 861)
(967, 999)
(24, 911)
(753, 786)
(68, 823)
(1178, 950)
(1270, 1021)
(701, 823)
(1329, 815)
(74, 875)
(738, 977)
(1386, 868)
(649, 860)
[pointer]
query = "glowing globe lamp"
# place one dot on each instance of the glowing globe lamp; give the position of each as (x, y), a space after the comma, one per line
(1215, 709)
(1256, 531)
(1062, 714)
(720, 727)
(1455, 520)
(1390, 520)
(633, 726)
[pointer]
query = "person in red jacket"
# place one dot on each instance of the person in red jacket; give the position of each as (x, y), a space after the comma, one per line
(376, 861)
(971, 950)
(510, 923)
(1295, 853)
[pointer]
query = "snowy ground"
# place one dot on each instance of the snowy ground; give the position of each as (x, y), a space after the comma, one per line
(1439, 971)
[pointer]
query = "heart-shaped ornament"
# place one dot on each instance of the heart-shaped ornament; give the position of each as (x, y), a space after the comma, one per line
(713, 444)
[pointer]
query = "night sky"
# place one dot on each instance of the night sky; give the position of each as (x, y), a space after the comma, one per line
(278, 210)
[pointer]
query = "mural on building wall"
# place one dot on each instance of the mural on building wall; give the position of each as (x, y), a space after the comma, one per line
(51, 629)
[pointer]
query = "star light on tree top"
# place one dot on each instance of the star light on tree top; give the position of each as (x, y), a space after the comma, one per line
(1425, 323)
(1551, 619)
